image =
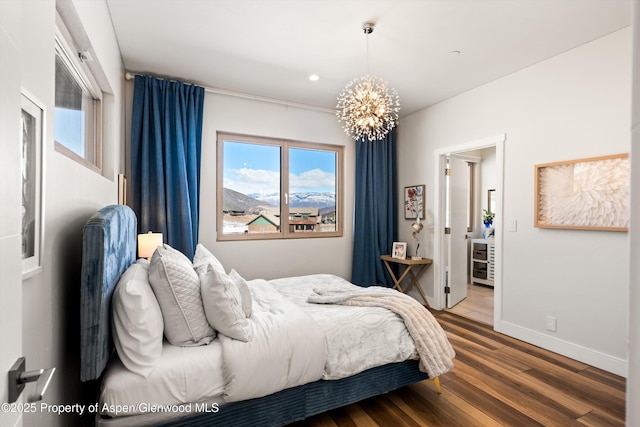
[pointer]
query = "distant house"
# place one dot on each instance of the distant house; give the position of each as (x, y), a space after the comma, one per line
(301, 220)
(304, 220)
(264, 223)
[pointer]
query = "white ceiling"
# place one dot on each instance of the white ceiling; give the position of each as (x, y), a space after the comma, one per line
(268, 48)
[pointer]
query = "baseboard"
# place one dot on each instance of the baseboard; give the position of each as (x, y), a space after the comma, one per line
(582, 354)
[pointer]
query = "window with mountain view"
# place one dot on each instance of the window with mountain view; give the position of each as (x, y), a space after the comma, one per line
(271, 189)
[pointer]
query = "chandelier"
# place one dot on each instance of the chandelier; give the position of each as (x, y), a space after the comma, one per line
(366, 106)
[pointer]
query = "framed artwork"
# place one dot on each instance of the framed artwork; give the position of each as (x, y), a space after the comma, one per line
(399, 250)
(585, 194)
(414, 202)
(32, 119)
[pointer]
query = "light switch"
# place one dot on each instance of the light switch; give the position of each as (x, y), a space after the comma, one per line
(512, 225)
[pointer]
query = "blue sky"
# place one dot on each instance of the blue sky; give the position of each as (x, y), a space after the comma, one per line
(254, 168)
(69, 129)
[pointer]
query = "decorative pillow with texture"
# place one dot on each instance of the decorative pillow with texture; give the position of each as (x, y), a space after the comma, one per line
(245, 294)
(177, 288)
(137, 320)
(203, 257)
(222, 304)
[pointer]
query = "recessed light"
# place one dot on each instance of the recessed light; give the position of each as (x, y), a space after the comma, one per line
(314, 77)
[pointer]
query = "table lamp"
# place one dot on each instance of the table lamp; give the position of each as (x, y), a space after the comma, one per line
(147, 244)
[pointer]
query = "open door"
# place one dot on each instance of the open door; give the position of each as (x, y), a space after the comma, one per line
(458, 199)
(445, 243)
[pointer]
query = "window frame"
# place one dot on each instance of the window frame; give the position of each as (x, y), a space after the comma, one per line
(285, 145)
(471, 203)
(65, 49)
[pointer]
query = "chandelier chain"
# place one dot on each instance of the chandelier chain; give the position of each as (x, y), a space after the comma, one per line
(366, 37)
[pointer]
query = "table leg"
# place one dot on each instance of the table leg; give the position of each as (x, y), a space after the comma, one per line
(412, 282)
(396, 282)
(416, 283)
(406, 271)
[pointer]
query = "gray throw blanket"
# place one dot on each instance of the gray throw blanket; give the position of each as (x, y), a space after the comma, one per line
(435, 351)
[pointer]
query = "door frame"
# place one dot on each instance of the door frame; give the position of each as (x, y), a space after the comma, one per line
(439, 274)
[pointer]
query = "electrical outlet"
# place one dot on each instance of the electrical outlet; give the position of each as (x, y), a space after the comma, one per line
(552, 324)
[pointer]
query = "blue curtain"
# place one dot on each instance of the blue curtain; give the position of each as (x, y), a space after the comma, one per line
(375, 217)
(166, 140)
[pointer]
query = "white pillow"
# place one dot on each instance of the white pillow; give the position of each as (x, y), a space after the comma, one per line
(245, 294)
(177, 288)
(222, 304)
(203, 257)
(137, 320)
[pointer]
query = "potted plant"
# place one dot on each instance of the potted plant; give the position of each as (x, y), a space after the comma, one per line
(487, 217)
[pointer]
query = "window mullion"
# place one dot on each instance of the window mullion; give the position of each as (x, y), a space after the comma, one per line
(284, 190)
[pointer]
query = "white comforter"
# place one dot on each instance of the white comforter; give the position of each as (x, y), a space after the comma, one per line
(358, 338)
(435, 351)
(287, 349)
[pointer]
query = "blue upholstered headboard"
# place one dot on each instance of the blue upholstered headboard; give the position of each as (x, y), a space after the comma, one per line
(108, 249)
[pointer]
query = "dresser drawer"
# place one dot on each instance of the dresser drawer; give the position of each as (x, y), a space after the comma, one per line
(480, 255)
(480, 274)
(479, 246)
(479, 266)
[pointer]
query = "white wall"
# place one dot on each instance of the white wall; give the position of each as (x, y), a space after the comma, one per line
(572, 106)
(633, 380)
(72, 193)
(274, 258)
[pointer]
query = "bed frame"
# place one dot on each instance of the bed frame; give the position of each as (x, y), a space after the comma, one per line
(109, 248)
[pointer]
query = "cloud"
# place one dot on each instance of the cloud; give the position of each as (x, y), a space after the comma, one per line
(248, 181)
(314, 180)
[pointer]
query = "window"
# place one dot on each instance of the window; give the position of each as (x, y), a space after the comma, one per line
(272, 189)
(78, 106)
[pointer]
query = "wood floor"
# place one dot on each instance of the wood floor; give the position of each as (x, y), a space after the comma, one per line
(478, 305)
(496, 381)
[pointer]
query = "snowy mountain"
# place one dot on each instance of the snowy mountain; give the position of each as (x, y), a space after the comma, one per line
(240, 202)
(257, 203)
(299, 200)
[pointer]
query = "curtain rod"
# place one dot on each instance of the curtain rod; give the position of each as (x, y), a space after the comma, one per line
(129, 76)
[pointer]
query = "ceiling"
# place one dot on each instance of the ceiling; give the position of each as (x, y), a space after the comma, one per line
(428, 50)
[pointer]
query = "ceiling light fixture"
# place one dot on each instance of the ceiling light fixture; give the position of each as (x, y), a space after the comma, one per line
(366, 106)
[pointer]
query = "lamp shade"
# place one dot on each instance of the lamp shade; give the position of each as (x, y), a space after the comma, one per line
(147, 244)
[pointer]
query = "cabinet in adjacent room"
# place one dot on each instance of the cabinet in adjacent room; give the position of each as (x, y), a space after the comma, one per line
(483, 255)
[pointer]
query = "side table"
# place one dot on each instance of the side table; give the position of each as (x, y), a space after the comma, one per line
(413, 277)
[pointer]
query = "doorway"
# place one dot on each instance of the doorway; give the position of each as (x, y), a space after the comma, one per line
(452, 260)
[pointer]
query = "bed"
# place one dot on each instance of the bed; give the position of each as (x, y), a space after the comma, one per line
(218, 383)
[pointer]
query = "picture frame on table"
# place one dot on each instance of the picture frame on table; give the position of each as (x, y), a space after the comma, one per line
(32, 167)
(399, 250)
(414, 196)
